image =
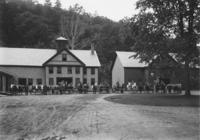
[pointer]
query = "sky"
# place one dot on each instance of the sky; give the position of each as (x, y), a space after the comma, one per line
(112, 9)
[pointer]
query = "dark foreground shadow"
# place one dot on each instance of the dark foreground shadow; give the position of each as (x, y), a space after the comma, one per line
(156, 100)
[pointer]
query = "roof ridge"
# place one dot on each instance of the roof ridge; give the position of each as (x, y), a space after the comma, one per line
(26, 48)
(27, 56)
(126, 51)
(125, 60)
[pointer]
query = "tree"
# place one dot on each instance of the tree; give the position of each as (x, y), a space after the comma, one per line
(29, 24)
(57, 4)
(2, 3)
(125, 34)
(164, 26)
(48, 3)
(71, 25)
(32, 29)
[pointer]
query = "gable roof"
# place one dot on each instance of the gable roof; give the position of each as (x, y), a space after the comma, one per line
(37, 57)
(128, 61)
(58, 52)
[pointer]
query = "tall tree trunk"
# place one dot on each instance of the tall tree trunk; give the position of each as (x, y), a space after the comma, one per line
(2, 2)
(187, 78)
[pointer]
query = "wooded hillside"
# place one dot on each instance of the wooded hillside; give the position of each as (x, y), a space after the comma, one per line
(30, 24)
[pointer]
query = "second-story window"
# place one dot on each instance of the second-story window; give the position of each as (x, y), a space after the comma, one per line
(84, 70)
(77, 70)
(69, 70)
(50, 70)
(92, 71)
(59, 70)
(64, 57)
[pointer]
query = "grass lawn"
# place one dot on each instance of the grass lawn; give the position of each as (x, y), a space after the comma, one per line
(156, 100)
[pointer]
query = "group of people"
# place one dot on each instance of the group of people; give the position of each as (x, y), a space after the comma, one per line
(61, 88)
(131, 86)
(83, 88)
(26, 89)
(159, 86)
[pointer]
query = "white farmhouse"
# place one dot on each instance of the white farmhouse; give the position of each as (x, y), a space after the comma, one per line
(28, 66)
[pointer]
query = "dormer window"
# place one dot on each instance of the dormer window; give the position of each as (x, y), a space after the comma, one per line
(64, 57)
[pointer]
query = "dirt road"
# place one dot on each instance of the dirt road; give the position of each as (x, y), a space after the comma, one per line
(90, 117)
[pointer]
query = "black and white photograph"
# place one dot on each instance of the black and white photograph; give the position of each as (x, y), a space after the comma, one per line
(99, 69)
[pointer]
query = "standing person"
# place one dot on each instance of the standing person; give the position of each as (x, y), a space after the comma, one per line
(128, 86)
(156, 85)
(117, 86)
(26, 89)
(122, 88)
(30, 89)
(14, 89)
(80, 87)
(134, 85)
(162, 84)
(147, 87)
(140, 86)
(45, 90)
(70, 88)
(85, 87)
(94, 88)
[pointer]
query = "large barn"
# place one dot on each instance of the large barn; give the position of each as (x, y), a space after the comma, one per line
(26, 66)
(126, 69)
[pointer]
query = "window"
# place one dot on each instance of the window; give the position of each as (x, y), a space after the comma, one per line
(64, 57)
(39, 81)
(77, 70)
(84, 70)
(50, 70)
(59, 70)
(77, 80)
(69, 70)
(92, 81)
(30, 81)
(84, 80)
(92, 71)
(51, 82)
(22, 81)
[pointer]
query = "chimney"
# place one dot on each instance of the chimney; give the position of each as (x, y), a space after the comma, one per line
(92, 49)
(61, 43)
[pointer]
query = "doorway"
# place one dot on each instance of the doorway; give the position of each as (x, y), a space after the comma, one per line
(67, 80)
